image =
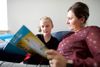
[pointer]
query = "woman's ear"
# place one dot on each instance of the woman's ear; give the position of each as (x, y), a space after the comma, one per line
(82, 20)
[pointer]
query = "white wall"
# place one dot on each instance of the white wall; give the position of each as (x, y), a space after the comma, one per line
(29, 12)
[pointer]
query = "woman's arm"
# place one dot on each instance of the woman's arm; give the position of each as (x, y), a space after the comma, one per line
(93, 41)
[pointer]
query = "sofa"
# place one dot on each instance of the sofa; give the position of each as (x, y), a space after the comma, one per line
(13, 64)
(11, 56)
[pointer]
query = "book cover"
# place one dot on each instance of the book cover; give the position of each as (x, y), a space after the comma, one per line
(27, 41)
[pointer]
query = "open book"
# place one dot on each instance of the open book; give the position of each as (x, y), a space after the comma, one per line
(29, 42)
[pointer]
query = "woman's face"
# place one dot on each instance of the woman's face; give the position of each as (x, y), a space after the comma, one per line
(73, 22)
(46, 26)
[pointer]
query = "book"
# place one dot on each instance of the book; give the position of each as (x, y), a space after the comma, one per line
(28, 41)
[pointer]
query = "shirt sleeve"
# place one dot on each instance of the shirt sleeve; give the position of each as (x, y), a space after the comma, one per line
(93, 43)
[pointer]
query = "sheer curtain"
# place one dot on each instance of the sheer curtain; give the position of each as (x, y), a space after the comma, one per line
(3, 15)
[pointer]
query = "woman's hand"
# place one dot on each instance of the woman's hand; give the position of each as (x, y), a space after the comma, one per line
(55, 59)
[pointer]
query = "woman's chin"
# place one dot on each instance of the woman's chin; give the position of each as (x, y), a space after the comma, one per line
(72, 30)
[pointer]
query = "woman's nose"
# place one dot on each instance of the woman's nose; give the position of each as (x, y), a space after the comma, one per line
(67, 22)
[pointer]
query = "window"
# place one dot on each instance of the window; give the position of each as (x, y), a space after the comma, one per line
(3, 15)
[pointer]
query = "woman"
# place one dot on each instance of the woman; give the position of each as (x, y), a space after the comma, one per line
(50, 42)
(81, 48)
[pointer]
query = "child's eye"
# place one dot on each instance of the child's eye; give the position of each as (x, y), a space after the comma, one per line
(42, 26)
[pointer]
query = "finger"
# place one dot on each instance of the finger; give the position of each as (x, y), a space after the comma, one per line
(51, 52)
(51, 63)
(50, 57)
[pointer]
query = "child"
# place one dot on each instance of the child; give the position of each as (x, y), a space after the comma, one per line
(46, 25)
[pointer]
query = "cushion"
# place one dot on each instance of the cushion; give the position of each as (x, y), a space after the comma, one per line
(6, 36)
(60, 34)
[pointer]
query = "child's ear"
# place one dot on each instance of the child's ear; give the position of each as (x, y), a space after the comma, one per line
(39, 29)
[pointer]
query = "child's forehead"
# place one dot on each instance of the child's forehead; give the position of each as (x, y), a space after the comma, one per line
(45, 22)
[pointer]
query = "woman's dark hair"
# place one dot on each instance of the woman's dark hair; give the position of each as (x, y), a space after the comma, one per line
(80, 10)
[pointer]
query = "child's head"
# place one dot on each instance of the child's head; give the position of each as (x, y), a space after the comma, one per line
(46, 25)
